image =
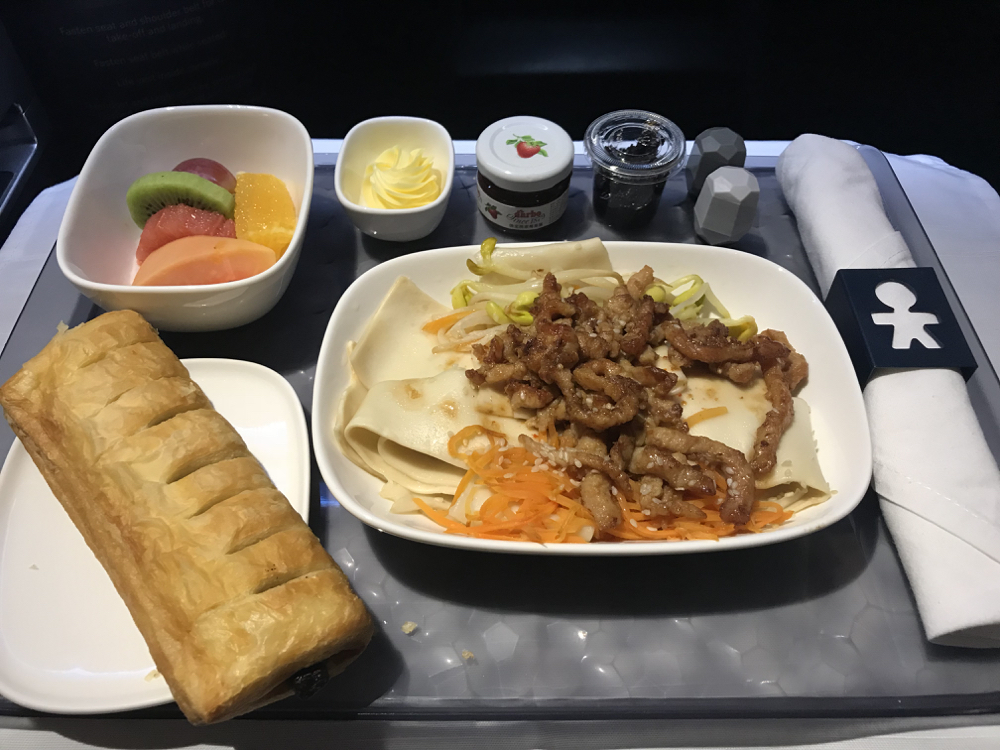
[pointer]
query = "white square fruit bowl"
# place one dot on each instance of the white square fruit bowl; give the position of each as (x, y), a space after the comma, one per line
(364, 142)
(98, 239)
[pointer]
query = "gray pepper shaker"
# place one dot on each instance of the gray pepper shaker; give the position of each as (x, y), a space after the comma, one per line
(726, 206)
(713, 148)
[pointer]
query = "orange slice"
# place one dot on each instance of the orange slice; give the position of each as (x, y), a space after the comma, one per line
(264, 213)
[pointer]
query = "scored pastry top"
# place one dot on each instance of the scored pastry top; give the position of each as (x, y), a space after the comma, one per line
(232, 591)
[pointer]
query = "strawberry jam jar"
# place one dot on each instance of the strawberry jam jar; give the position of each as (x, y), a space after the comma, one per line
(525, 165)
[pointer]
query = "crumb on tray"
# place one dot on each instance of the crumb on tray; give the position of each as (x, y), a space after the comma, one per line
(408, 627)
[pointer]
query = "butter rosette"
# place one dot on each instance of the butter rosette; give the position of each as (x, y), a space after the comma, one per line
(400, 179)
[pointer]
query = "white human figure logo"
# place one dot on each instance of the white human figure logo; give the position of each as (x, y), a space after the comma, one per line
(907, 325)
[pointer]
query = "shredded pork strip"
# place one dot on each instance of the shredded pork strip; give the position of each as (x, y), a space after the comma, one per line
(570, 458)
(776, 421)
(739, 477)
(662, 464)
(593, 366)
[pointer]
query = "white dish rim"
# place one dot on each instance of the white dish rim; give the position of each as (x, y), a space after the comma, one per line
(325, 404)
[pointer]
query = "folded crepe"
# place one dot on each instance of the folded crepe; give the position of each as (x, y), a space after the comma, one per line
(405, 401)
(797, 481)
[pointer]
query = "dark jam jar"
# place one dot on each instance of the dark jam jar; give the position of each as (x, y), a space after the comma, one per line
(633, 153)
(525, 165)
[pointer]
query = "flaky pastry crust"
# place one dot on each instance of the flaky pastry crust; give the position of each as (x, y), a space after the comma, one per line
(230, 588)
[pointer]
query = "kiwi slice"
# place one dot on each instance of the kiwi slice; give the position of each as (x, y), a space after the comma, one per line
(155, 191)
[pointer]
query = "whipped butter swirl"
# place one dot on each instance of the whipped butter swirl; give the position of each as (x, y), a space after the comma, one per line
(400, 179)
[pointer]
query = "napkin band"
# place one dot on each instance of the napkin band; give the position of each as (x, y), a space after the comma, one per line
(897, 318)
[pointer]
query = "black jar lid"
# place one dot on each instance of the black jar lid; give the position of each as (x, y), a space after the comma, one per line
(635, 146)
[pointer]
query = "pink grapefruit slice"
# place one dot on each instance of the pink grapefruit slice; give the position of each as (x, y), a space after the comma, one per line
(173, 222)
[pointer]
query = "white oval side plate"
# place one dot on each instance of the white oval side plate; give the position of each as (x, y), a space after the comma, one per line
(67, 641)
(746, 284)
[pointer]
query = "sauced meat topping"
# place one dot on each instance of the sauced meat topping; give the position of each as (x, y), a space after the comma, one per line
(612, 418)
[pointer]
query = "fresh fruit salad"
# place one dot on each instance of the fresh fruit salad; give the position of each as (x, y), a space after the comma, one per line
(201, 224)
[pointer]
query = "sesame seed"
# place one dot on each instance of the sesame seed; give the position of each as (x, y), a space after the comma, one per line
(651, 528)
(509, 475)
(647, 512)
(632, 521)
(577, 464)
(614, 490)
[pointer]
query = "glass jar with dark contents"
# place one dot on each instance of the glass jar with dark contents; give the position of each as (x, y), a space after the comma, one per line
(633, 153)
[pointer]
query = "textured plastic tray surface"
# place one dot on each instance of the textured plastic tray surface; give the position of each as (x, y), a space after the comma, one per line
(822, 625)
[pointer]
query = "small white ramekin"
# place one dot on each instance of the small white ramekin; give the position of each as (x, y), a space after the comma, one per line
(363, 144)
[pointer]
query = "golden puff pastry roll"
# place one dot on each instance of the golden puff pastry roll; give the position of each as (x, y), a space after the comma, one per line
(239, 603)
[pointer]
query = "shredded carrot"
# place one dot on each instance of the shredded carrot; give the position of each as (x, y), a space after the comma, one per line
(701, 416)
(446, 321)
(436, 516)
(468, 433)
(529, 500)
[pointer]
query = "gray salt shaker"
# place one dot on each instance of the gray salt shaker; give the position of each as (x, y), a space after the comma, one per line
(713, 148)
(726, 207)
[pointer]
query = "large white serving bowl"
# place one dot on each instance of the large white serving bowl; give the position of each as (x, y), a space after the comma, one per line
(364, 142)
(98, 239)
(746, 284)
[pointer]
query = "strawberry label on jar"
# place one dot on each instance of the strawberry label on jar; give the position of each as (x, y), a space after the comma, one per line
(527, 146)
(521, 218)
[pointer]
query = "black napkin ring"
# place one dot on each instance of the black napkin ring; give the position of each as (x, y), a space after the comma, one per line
(897, 318)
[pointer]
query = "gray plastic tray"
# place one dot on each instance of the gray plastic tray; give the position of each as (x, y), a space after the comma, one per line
(820, 626)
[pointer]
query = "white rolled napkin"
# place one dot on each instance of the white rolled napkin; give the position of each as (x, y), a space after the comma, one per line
(937, 481)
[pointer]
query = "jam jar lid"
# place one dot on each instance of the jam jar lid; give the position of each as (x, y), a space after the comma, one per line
(524, 154)
(634, 146)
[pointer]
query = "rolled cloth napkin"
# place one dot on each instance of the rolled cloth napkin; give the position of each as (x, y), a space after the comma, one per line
(937, 481)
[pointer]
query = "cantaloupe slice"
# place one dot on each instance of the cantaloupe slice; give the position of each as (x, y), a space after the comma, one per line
(204, 260)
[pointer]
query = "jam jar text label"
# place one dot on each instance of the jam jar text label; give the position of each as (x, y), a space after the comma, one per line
(520, 218)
